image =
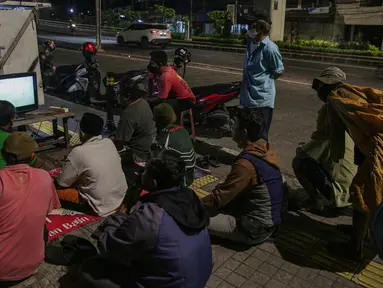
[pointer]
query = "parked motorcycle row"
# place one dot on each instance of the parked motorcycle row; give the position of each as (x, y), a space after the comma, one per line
(81, 84)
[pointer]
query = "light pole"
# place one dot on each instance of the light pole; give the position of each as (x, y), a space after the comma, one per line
(98, 24)
(191, 19)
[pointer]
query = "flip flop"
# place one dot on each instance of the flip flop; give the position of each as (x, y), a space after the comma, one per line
(203, 165)
(212, 160)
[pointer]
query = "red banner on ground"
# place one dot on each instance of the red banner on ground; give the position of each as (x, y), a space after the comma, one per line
(62, 221)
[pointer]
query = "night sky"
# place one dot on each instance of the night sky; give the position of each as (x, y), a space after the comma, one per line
(181, 6)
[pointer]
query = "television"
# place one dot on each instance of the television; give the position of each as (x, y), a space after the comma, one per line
(21, 90)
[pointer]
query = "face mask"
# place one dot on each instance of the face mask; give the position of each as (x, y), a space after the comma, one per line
(153, 68)
(252, 34)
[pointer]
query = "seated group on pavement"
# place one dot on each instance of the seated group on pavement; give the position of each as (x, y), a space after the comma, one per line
(163, 239)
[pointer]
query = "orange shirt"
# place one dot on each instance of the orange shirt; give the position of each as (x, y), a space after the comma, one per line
(27, 195)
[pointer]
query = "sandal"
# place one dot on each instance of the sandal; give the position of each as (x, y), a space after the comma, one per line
(212, 160)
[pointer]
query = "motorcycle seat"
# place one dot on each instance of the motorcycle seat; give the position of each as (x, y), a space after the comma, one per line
(129, 74)
(223, 88)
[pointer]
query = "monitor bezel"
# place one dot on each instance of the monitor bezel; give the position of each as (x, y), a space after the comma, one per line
(26, 108)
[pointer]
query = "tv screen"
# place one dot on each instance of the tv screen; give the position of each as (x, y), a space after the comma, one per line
(21, 90)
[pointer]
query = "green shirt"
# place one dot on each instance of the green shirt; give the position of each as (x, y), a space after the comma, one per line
(3, 136)
(177, 139)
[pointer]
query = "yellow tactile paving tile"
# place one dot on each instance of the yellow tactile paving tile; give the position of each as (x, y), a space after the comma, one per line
(46, 127)
(295, 241)
(203, 181)
(371, 276)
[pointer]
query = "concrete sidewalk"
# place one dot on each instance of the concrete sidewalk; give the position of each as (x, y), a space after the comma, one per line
(298, 258)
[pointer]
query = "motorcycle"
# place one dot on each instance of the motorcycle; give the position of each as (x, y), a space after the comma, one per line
(210, 110)
(78, 83)
(71, 27)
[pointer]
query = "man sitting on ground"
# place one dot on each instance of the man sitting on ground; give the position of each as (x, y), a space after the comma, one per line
(250, 200)
(162, 243)
(7, 116)
(174, 137)
(94, 170)
(27, 195)
(169, 85)
(136, 129)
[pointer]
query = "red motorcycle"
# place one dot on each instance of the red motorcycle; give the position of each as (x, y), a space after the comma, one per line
(210, 110)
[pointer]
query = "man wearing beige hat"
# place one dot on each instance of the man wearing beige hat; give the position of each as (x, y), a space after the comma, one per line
(27, 195)
(325, 165)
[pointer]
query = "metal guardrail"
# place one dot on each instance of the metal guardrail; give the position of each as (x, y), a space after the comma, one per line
(80, 27)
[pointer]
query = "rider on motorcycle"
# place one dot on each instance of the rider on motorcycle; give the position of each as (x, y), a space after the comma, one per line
(46, 65)
(169, 85)
(91, 64)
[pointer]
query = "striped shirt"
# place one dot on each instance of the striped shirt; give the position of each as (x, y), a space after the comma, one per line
(177, 139)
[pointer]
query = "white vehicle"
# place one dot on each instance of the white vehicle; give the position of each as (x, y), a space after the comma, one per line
(145, 34)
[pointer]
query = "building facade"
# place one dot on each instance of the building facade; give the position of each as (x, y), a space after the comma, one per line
(341, 20)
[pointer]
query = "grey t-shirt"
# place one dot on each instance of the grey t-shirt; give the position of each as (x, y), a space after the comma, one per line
(136, 129)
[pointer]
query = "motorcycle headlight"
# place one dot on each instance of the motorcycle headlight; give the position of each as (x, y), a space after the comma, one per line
(73, 25)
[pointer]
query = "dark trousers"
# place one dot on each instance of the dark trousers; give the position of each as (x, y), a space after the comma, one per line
(101, 272)
(313, 178)
(267, 113)
(360, 226)
(178, 105)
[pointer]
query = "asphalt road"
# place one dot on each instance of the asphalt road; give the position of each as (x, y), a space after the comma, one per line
(295, 70)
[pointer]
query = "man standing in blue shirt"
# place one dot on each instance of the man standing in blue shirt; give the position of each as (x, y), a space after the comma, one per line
(263, 65)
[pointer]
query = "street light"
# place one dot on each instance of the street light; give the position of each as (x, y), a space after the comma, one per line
(98, 24)
(190, 19)
(71, 10)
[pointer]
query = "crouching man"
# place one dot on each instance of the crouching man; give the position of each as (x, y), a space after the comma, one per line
(162, 243)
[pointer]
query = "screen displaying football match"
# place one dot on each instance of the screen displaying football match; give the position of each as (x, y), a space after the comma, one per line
(20, 91)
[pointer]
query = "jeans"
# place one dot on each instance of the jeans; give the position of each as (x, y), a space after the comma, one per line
(267, 113)
(227, 227)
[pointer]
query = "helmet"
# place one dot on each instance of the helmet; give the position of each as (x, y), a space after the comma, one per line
(49, 46)
(88, 48)
(181, 56)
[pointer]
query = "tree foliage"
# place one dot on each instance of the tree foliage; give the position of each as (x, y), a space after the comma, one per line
(170, 13)
(131, 16)
(110, 18)
(221, 21)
